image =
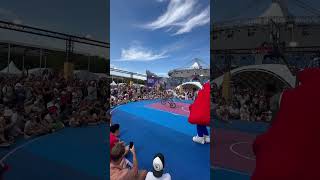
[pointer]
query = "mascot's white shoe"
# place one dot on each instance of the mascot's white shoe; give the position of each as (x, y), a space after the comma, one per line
(207, 139)
(198, 139)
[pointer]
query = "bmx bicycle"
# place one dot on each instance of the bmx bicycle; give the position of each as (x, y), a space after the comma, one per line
(170, 101)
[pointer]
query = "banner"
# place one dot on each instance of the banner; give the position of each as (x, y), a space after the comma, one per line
(152, 81)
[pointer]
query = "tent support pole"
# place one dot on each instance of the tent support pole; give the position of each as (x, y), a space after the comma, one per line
(23, 60)
(9, 54)
(45, 61)
(89, 62)
(40, 58)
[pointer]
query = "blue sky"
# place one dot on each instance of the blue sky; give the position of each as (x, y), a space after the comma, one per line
(158, 35)
(78, 17)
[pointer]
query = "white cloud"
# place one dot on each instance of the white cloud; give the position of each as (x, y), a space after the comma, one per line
(181, 16)
(8, 15)
(176, 11)
(199, 20)
(139, 53)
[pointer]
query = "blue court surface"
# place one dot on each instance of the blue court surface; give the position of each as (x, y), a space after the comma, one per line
(153, 130)
(72, 153)
(233, 158)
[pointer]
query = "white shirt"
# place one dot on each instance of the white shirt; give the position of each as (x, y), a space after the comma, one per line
(165, 176)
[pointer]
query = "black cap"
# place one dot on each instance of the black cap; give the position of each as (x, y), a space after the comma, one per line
(158, 165)
(114, 128)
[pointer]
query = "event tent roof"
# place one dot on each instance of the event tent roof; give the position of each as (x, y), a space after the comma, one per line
(197, 84)
(277, 69)
(11, 69)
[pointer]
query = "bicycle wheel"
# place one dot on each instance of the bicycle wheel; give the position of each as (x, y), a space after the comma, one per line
(172, 104)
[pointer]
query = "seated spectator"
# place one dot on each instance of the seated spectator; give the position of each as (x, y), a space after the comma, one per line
(94, 112)
(57, 123)
(74, 120)
(83, 113)
(47, 122)
(114, 134)
(103, 116)
(37, 106)
(42, 105)
(8, 93)
(234, 111)
(3, 140)
(9, 125)
(158, 167)
(118, 167)
(33, 128)
(223, 113)
(244, 113)
(14, 125)
(92, 91)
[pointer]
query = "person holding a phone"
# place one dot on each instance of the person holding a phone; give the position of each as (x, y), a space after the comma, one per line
(118, 168)
(114, 133)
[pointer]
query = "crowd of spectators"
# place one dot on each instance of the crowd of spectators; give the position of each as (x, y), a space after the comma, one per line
(120, 166)
(124, 93)
(37, 105)
(245, 104)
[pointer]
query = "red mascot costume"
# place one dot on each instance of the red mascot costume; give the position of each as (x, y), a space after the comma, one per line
(200, 114)
(290, 149)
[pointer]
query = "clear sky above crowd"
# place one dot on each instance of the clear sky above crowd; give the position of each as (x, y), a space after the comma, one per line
(159, 35)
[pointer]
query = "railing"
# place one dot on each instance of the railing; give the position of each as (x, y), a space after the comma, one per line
(127, 72)
(306, 20)
(52, 34)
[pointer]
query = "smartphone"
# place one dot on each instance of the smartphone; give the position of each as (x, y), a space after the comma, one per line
(131, 144)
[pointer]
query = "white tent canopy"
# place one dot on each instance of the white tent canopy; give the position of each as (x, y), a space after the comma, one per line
(38, 71)
(85, 75)
(274, 10)
(113, 83)
(122, 84)
(278, 69)
(195, 66)
(11, 69)
(188, 84)
(138, 85)
(101, 75)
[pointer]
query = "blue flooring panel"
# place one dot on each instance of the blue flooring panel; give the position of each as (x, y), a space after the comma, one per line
(72, 153)
(154, 131)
